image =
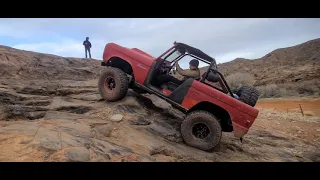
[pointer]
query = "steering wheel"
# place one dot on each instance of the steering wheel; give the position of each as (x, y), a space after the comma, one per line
(169, 68)
(164, 68)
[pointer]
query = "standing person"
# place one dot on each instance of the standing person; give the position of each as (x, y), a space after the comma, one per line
(87, 46)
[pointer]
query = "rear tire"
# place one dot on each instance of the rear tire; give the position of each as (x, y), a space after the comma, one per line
(201, 130)
(248, 95)
(113, 84)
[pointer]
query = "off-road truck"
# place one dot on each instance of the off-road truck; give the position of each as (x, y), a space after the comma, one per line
(209, 109)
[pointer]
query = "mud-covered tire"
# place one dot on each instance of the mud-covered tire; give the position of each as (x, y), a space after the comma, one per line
(201, 118)
(248, 95)
(121, 84)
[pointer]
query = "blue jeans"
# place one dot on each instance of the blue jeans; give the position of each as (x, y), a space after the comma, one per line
(88, 49)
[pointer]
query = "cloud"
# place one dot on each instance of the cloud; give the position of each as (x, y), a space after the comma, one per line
(223, 39)
(66, 48)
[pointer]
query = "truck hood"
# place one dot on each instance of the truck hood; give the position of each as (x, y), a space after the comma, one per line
(142, 52)
(134, 53)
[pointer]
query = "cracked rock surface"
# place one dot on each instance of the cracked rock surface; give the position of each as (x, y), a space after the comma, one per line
(50, 110)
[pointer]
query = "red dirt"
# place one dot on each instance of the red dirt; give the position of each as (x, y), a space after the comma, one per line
(310, 107)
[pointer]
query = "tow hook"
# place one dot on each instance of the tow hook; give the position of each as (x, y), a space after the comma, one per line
(241, 140)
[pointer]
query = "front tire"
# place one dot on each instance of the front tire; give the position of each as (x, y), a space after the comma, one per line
(113, 84)
(201, 130)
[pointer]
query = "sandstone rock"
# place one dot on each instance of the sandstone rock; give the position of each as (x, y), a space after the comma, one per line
(77, 154)
(144, 158)
(140, 121)
(127, 108)
(104, 130)
(36, 115)
(288, 145)
(159, 102)
(28, 128)
(10, 98)
(108, 147)
(75, 109)
(292, 160)
(54, 115)
(68, 140)
(47, 139)
(87, 97)
(99, 156)
(130, 158)
(28, 112)
(76, 129)
(164, 131)
(313, 156)
(116, 118)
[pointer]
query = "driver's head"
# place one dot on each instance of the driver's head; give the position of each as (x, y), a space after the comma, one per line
(87, 38)
(193, 64)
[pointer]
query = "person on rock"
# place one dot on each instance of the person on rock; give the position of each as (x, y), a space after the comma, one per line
(87, 46)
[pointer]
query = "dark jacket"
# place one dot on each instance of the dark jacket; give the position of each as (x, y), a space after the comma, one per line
(87, 44)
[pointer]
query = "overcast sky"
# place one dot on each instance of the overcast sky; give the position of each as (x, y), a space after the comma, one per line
(223, 39)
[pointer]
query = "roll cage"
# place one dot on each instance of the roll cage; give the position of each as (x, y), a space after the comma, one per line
(186, 50)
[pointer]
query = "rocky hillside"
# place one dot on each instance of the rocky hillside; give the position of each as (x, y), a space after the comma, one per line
(18, 64)
(294, 64)
(50, 110)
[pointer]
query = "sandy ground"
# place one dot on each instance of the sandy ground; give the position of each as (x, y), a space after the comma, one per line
(304, 106)
(67, 121)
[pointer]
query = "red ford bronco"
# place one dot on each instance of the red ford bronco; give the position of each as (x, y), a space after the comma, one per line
(209, 110)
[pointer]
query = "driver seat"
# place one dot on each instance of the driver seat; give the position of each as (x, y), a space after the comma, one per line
(181, 91)
(172, 86)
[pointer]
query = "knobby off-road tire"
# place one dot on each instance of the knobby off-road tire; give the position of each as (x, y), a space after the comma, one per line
(120, 84)
(200, 118)
(248, 95)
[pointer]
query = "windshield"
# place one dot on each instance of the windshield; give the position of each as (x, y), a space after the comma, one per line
(171, 55)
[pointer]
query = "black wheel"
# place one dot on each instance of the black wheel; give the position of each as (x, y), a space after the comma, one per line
(201, 130)
(113, 84)
(248, 95)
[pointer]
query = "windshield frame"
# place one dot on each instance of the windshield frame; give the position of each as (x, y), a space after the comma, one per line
(169, 54)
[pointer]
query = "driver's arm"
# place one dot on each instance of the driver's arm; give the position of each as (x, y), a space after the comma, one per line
(187, 72)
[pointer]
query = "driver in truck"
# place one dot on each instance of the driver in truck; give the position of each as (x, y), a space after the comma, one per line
(192, 72)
